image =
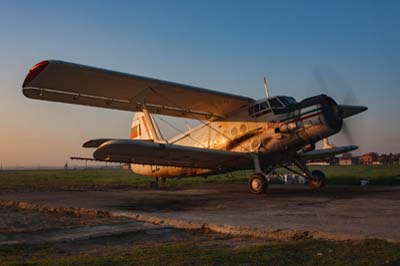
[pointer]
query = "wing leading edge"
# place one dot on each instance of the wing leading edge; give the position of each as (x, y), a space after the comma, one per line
(84, 85)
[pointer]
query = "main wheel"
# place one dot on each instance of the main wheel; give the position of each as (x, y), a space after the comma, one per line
(258, 183)
(318, 181)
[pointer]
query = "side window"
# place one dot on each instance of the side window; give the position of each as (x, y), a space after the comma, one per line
(251, 110)
(263, 105)
(259, 109)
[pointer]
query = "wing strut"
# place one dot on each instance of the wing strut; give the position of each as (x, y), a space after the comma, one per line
(154, 130)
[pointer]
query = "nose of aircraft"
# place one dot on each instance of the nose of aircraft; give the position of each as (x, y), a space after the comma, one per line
(332, 113)
(350, 110)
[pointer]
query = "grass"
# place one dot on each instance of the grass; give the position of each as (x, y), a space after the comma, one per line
(305, 252)
(350, 175)
(37, 179)
(34, 179)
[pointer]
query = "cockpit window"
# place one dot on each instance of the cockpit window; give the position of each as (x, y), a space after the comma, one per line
(275, 103)
(259, 108)
(287, 100)
(263, 105)
(291, 100)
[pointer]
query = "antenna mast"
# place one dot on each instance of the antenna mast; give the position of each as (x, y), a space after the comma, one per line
(266, 87)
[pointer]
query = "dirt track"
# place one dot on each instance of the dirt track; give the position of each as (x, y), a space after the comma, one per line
(337, 213)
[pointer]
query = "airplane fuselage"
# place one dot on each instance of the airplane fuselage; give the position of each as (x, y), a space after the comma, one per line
(272, 133)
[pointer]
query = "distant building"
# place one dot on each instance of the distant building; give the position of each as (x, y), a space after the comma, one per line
(389, 158)
(368, 159)
(317, 163)
(345, 161)
(371, 158)
(347, 155)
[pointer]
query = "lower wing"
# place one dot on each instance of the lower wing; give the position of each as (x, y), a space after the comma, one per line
(324, 153)
(148, 152)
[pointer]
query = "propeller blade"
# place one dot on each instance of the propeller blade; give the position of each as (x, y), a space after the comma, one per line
(331, 83)
(347, 133)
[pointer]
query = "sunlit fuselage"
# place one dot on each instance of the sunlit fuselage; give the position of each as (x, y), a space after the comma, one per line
(272, 129)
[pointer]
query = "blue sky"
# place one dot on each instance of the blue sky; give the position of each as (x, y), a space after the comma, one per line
(221, 45)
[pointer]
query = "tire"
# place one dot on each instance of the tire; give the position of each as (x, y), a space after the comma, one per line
(258, 184)
(318, 181)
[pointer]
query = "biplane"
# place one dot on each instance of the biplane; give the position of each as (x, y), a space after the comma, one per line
(235, 132)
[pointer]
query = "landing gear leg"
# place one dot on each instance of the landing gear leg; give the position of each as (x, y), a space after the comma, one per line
(257, 182)
(316, 179)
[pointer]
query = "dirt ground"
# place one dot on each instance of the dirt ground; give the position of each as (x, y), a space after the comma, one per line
(286, 211)
(73, 234)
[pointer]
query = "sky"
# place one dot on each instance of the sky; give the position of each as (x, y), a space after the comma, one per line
(227, 46)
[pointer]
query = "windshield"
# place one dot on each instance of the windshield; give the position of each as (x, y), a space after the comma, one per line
(287, 100)
(275, 103)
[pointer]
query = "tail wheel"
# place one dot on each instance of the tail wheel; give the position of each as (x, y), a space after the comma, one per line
(318, 181)
(258, 183)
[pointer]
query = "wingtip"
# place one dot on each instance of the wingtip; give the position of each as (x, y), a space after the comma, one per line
(354, 147)
(34, 72)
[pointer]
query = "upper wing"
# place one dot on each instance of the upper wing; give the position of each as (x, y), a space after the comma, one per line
(147, 152)
(78, 84)
(319, 154)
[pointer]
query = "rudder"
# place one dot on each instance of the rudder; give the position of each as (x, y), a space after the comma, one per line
(142, 128)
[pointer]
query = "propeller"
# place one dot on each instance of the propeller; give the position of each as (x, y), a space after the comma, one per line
(347, 98)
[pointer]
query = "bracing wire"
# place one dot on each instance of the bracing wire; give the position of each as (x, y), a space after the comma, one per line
(201, 121)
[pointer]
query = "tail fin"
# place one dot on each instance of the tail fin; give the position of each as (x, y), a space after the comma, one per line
(144, 128)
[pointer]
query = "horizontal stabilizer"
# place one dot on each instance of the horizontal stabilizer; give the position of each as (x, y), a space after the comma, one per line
(94, 143)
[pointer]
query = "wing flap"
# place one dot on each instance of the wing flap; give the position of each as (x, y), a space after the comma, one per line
(78, 84)
(144, 152)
